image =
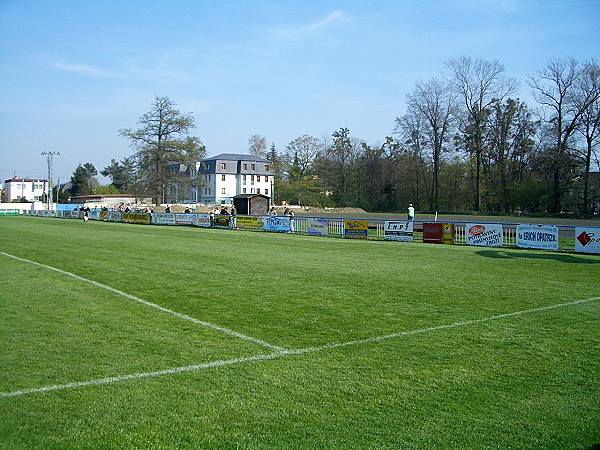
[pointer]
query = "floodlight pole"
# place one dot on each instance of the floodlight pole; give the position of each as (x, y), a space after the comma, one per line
(49, 156)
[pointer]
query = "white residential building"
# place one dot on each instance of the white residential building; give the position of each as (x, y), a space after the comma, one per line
(224, 176)
(220, 178)
(31, 189)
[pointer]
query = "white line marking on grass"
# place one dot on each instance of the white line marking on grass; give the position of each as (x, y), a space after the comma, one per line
(153, 305)
(283, 353)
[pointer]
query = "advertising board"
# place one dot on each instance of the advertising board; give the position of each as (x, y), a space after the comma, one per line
(185, 219)
(317, 226)
(587, 239)
(544, 237)
(249, 223)
(448, 233)
(484, 234)
(94, 215)
(114, 216)
(398, 230)
(281, 224)
(356, 229)
(221, 221)
(163, 219)
(203, 220)
(104, 215)
(136, 218)
(9, 212)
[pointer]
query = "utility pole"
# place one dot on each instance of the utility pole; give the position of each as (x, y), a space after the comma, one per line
(49, 156)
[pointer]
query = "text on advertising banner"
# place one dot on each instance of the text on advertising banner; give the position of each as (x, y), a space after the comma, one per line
(249, 223)
(281, 224)
(9, 212)
(221, 221)
(136, 218)
(398, 230)
(544, 237)
(587, 239)
(185, 218)
(484, 234)
(317, 226)
(203, 220)
(356, 229)
(163, 219)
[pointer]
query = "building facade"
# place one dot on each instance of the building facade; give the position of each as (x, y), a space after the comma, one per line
(30, 189)
(218, 179)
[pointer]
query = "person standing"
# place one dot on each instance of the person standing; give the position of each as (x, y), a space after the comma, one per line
(411, 212)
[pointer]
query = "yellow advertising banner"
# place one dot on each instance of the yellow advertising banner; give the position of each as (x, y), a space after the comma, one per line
(248, 223)
(356, 229)
(448, 233)
(136, 218)
(104, 215)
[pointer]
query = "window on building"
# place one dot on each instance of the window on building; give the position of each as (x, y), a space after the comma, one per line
(251, 179)
(243, 179)
(243, 190)
(205, 165)
(258, 190)
(245, 166)
(206, 191)
(267, 167)
(253, 167)
(223, 166)
(252, 190)
(266, 178)
(258, 178)
(209, 178)
(222, 177)
(223, 191)
(266, 192)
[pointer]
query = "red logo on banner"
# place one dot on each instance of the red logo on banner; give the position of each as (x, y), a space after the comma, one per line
(584, 238)
(476, 230)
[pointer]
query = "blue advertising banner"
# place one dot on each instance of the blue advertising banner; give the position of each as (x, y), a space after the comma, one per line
(281, 224)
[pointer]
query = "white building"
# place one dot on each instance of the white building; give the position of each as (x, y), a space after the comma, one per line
(220, 178)
(31, 189)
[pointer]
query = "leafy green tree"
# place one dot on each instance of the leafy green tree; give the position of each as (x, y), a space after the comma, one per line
(83, 180)
(162, 141)
(122, 174)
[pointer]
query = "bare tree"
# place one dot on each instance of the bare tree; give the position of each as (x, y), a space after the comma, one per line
(257, 145)
(162, 142)
(589, 125)
(555, 88)
(302, 152)
(479, 84)
(434, 100)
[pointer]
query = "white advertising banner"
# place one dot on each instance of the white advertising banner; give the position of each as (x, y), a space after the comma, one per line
(94, 215)
(185, 219)
(317, 226)
(203, 220)
(114, 216)
(543, 237)
(484, 234)
(398, 230)
(587, 239)
(163, 219)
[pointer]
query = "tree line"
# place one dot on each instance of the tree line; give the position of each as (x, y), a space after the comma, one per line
(464, 143)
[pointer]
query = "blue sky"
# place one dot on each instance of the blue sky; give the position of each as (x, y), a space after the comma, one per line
(74, 73)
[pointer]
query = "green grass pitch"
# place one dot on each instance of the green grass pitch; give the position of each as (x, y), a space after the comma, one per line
(220, 339)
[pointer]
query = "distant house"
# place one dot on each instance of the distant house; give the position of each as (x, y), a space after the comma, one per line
(30, 189)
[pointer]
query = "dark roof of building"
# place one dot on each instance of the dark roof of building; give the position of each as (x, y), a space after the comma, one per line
(250, 196)
(19, 179)
(236, 157)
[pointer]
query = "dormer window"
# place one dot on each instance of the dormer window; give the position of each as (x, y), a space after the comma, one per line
(223, 166)
(253, 167)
